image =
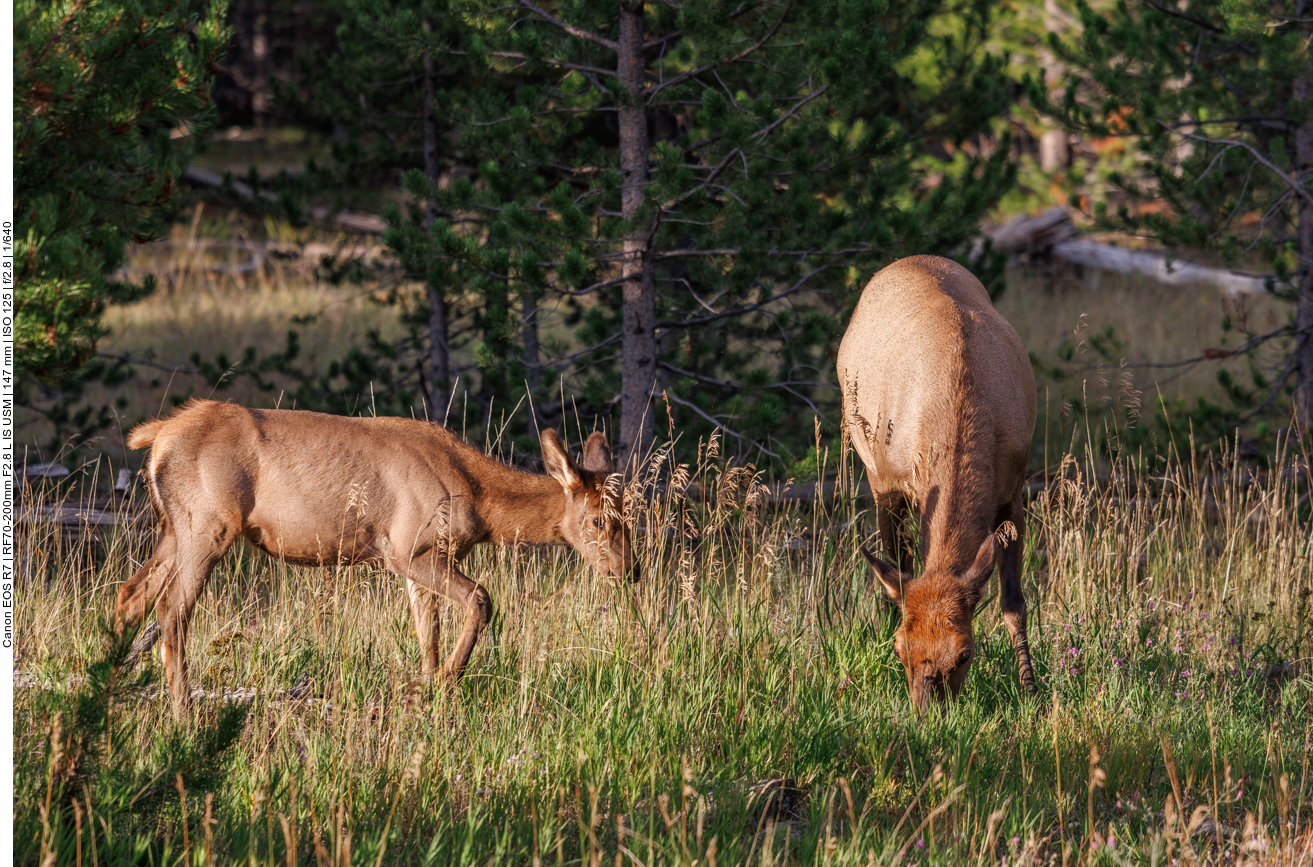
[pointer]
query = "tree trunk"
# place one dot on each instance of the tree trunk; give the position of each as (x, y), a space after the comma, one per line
(532, 353)
(260, 52)
(439, 360)
(1303, 90)
(638, 339)
(1053, 150)
(533, 372)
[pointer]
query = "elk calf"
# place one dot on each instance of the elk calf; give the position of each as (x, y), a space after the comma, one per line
(939, 401)
(316, 490)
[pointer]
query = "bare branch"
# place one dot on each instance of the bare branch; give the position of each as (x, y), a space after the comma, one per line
(745, 308)
(676, 399)
(762, 133)
(662, 40)
(588, 290)
(1294, 183)
(730, 385)
(734, 251)
(1208, 354)
(577, 32)
(175, 368)
(698, 145)
(693, 73)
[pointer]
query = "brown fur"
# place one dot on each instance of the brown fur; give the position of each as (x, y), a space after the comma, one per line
(939, 401)
(318, 490)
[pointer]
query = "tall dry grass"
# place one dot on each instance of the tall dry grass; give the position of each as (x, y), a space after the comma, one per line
(742, 703)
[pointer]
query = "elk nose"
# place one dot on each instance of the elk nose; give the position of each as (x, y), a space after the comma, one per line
(932, 691)
(635, 572)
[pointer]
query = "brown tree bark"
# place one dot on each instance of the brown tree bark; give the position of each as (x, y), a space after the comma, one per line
(439, 354)
(533, 372)
(1303, 90)
(529, 331)
(638, 340)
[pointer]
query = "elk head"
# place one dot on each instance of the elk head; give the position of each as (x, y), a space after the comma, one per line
(935, 641)
(593, 523)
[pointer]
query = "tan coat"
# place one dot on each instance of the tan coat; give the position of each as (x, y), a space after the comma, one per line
(323, 490)
(939, 403)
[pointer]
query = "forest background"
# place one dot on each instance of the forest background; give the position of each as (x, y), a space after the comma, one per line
(656, 236)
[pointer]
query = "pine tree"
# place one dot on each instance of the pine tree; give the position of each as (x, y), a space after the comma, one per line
(374, 92)
(698, 192)
(102, 91)
(1218, 97)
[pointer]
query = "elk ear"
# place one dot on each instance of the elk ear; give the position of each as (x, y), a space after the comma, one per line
(597, 454)
(890, 575)
(978, 575)
(557, 462)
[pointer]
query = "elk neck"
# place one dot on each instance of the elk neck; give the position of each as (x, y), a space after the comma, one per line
(960, 509)
(519, 507)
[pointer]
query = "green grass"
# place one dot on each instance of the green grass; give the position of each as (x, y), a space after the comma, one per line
(740, 705)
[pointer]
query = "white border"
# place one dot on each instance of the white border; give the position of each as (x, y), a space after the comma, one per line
(7, 503)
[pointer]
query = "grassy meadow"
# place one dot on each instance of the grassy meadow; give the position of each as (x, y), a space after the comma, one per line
(739, 705)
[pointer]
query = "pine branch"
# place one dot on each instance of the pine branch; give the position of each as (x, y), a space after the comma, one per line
(1290, 368)
(762, 133)
(715, 172)
(1204, 25)
(564, 64)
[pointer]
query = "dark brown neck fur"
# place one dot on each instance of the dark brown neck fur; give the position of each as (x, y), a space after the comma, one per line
(962, 482)
(522, 507)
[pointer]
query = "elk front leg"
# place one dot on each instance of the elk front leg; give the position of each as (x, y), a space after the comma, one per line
(424, 610)
(139, 593)
(890, 512)
(436, 572)
(196, 560)
(1011, 599)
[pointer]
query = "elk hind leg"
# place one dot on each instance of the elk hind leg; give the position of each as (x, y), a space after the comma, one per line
(1011, 600)
(197, 557)
(424, 610)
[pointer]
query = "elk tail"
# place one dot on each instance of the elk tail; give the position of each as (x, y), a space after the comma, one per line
(144, 434)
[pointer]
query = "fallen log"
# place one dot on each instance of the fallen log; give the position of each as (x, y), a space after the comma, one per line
(214, 180)
(359, 223)
(1161, 266)
(1052, 234)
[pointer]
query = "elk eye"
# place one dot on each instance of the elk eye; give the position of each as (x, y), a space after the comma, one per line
(597, 523)
(964, 657)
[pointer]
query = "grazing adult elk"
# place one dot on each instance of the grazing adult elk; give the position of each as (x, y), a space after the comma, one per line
(315, 490)
(939, 401)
